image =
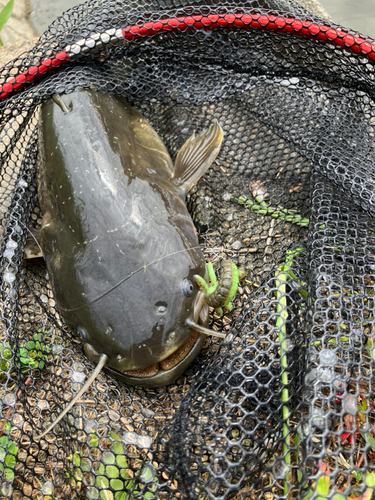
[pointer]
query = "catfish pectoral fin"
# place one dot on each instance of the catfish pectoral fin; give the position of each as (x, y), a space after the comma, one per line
(201, 329)
(102, 361)
(196, 155)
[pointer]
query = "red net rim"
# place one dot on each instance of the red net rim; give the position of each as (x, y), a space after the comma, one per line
(333, 35)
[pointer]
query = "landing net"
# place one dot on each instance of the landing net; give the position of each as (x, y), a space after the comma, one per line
(283, 407)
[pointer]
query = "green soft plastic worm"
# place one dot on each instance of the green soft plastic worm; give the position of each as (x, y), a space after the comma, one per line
(223, 290)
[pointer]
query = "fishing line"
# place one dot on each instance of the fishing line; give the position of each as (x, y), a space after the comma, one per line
(27, 229)
(127, 277)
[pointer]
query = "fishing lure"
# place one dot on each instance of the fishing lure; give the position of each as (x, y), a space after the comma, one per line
(221, 293)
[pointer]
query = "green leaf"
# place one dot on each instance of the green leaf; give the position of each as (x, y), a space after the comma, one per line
(102, 482)
(299, 475)
(106, 495)
(118, 448)
(357, 475)
(92, 493)
(4, 440)
(12, 448)
(323, 485)
(77, 459)
(10, 461)
(307, 493)
(117, 484)
(4, 366)
(78, 474)
(370, 479)
(368, 437)
(147, 473)
(112, 471)
(7, 354)
(124, 473)
(291, 274)
(101, 469)
(5, 426)
(129, 485)
(5, 13)
(85, 464)
(121, 495)
(108, 457)
(8, 475)
(362, 405)
(93, 440)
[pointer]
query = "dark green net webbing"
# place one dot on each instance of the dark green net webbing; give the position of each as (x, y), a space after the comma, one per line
(283, 407)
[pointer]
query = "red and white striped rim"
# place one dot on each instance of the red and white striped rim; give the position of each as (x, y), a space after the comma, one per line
(337, 36)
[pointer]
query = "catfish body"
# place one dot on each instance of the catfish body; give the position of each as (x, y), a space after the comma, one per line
(120, 247)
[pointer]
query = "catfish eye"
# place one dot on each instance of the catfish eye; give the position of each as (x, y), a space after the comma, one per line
(188, 288)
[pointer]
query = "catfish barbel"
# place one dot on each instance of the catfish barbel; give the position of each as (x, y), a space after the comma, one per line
(120, 246)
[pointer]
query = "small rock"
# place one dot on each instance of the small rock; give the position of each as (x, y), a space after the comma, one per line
(236, 245)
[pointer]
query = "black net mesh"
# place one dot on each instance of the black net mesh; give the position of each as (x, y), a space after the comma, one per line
(283, 407)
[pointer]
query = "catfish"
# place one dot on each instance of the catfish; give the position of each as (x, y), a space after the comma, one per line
(120, 247)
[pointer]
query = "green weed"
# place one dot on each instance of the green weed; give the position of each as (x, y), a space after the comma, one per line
(5, 15)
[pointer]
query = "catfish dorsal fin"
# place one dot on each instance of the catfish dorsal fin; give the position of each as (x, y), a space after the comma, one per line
(196, 155)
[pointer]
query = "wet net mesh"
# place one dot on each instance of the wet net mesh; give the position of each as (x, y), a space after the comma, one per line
(283, 407)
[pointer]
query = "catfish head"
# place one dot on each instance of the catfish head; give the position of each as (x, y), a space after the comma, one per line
(143, 324)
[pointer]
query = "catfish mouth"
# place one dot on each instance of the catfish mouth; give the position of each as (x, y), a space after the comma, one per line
(169, 369)
(166, 371)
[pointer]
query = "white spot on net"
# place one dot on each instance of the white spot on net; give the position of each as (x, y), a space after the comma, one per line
(78, 377)
(9, 277)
